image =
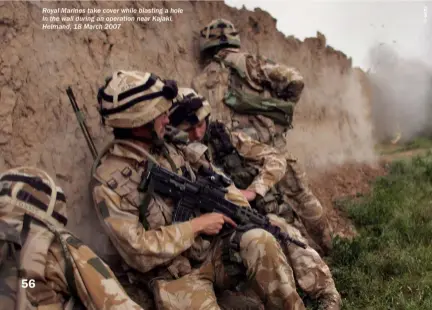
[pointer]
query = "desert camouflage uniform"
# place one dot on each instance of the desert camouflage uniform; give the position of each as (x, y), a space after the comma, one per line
(166, 246)
(213, 83)
(32, 238)
(140, 224)
(271, 163)
(311, 273)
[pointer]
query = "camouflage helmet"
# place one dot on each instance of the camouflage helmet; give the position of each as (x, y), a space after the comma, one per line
(219, 32)
(188, 109)
(132, 99)
(32, 192)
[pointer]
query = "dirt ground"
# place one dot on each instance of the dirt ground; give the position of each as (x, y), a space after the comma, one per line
(402, 155)
(346, 181)
(349, 181)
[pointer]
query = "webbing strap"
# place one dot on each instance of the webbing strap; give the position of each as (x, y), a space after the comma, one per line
(170, 160)
(69, 269)
(144, 205)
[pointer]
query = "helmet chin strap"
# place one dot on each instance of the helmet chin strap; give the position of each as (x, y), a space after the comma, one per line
(156, 140)
(158, 145)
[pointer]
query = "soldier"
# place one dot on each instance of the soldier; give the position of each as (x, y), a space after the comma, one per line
(190, 114)
(42, 265)
(184, 265)
(250, 93)
(189, 108)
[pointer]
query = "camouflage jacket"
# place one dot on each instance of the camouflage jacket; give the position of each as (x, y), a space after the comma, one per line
(117, 200)
(96, 285)
(196, 154)
(270, 163)
(42, 265)
(261, 77)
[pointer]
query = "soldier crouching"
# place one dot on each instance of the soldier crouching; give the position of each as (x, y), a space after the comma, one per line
(184, 259)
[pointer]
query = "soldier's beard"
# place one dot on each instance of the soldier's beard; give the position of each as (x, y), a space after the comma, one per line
(147, 135)
(156, 141)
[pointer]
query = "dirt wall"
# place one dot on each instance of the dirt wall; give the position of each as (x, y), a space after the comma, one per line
(37, 124)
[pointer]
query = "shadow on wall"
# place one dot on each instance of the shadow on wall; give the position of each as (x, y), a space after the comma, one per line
(401, 95)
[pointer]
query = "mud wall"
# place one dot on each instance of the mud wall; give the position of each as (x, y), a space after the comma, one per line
(37, 124)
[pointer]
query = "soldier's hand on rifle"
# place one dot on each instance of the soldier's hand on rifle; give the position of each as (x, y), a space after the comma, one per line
(210, 223)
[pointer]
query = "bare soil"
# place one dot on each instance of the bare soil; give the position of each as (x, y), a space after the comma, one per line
(346, 181)
(351, 181)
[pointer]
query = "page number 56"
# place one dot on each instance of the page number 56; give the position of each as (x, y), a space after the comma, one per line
(25, 283)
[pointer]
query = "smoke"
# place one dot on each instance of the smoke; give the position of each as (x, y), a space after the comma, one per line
(333, 125)
(401, 95)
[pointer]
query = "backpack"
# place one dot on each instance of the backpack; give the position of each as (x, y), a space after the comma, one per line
(281, 112)
(253, 103)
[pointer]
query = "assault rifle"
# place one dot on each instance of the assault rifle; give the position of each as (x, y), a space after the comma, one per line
(206, 195)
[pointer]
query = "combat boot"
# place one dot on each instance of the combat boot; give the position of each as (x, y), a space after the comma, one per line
(319, 232)
(292, 305)
(230, 300)
(330, 301)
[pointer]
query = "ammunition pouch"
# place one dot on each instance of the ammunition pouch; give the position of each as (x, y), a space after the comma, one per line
(176, 269)
(230, 252)
(273, 202)
(241, 174)
(233, 263)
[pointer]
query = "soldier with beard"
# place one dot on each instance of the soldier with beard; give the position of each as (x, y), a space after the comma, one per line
(181, 262)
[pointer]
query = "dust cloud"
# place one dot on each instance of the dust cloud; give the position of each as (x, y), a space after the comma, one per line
(337, 128)
(401, 95)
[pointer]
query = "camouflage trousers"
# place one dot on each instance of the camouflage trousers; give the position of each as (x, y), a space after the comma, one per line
(267, 271)
(312, 274)
(296, 192)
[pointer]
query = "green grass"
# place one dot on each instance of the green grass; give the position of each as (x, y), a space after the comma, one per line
(389, 265)
(418, 143)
